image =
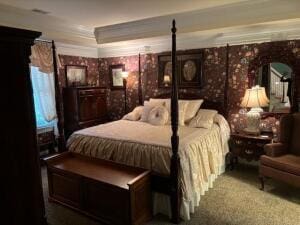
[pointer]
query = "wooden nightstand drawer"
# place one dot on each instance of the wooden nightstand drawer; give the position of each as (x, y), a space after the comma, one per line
(247, 147)
(45, 138)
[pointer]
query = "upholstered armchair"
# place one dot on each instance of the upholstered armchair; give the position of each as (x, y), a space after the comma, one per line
(282, 159)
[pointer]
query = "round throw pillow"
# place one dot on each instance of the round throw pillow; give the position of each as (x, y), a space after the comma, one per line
(158, 116)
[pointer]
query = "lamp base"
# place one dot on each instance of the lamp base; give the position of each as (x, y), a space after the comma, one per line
(253, 121)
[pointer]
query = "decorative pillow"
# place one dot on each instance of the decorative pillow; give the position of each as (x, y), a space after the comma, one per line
(204, 118)
(182, 105)
(147, 108)
(192, 109)
(161, 101)
(135, 115)
(158, 116)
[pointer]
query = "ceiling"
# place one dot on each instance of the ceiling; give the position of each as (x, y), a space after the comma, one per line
(95, 13)
(103, 28)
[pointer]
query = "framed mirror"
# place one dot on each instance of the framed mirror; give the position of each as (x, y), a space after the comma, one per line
(276, 78)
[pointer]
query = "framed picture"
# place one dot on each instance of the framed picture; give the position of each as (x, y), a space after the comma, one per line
(115, 73)
(189, 70)
(76, 75)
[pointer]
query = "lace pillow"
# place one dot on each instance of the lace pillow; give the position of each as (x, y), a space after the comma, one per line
(182, 105)
(148, 106)
(158, 116)
(135, 115)
(192, 109)
(204, 118)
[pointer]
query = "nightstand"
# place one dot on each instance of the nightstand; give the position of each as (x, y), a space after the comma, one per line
(249, 147)
(46, 139)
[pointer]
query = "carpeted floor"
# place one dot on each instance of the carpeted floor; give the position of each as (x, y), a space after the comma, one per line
(234, 200)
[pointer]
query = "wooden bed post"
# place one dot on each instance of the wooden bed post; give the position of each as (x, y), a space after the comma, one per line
(58, 100)
(225, 102)
(175, 160)
(140, 92)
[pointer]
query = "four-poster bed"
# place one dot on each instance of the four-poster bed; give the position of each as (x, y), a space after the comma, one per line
(137, 144)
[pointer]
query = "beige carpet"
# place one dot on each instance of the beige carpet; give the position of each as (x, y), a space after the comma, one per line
(234, 200)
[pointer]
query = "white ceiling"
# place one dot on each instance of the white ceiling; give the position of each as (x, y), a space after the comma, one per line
(126, 27)
(95, 13)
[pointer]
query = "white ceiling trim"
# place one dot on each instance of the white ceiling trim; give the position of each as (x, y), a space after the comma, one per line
(76, 50)
(51, 27)
(236, 14)
(264, 32)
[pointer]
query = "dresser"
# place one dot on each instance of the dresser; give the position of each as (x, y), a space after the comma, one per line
(83, 107)
(249, 147)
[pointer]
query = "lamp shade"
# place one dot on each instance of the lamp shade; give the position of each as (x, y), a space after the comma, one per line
(124, 74)
(255, 97)
(167, 79)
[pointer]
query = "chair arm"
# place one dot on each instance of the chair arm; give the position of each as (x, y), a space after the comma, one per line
(275, 149)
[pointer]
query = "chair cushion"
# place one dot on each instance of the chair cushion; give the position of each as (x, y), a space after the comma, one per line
(288, 163)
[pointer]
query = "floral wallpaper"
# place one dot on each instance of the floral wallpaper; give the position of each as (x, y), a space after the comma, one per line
(212, 88)
(243, 62)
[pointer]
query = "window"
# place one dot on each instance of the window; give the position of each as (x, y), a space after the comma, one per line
(44, 98)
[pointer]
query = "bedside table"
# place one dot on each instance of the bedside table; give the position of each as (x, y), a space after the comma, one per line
(249, 147)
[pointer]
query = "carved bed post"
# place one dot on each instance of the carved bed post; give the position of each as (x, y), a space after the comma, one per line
(58, 100)
(140, 92)
(175, 160)
(225, 102)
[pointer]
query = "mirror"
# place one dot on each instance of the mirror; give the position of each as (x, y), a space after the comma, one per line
(276, 78)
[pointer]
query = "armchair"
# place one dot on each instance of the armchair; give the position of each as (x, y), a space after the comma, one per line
(282, 159)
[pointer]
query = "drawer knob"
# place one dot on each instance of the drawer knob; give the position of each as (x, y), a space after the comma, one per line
(248, 151)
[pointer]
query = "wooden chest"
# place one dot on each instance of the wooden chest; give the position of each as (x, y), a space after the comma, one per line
(107, 191)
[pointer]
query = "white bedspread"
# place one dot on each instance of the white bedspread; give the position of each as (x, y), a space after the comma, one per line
(201, 152)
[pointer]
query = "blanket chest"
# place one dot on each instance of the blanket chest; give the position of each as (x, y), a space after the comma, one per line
(110, 192)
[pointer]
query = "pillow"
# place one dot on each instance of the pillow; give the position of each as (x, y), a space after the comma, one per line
(192, 109)
(158, 116)
(135, 115)
(204, 118)
(147, 108)
(159, 100)
(182, 105)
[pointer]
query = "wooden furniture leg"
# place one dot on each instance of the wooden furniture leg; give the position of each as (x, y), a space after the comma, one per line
(262, 182)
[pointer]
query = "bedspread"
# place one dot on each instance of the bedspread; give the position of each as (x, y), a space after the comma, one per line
(141, 144)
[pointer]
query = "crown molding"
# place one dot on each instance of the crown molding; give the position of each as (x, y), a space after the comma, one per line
(236, 14)
(264, 32)
(76, 50)
(51, 27)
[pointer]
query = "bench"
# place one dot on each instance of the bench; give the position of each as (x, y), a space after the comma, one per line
(107, 191)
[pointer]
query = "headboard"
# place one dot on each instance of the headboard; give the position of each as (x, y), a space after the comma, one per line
(207, 104)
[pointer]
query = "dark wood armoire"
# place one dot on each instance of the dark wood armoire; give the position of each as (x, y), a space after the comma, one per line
(21, 195)
(83, 107)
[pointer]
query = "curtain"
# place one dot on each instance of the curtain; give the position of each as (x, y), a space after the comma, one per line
(41, 57)
(42, 79)
(43, 86)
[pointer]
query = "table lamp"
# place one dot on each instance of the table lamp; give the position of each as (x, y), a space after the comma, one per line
(254, 98)
(167, 80)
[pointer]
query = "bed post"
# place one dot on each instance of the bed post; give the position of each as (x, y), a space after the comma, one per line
(225, 102)
(140, 92)
(58, 100)
(175, 160)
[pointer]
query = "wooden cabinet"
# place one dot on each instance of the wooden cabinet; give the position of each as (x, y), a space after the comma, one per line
(83, 107)
(107, 191)
(248, 147)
